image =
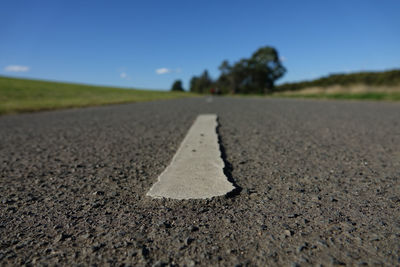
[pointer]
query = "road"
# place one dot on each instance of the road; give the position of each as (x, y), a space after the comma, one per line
(319, 183)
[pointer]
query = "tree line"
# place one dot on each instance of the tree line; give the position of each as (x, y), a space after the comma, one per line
(385, 78)
(257, 75)
(254, 75)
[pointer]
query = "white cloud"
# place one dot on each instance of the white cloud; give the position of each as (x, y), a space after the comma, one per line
(124, 76)
(166, 70)
(163, 71)
(17, 68)
(283, 59)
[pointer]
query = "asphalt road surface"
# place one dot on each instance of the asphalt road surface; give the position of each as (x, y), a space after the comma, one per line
(318, 183)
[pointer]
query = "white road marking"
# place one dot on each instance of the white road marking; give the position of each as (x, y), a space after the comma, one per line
(196, 170)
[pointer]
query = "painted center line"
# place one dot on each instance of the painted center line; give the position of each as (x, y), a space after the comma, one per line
(196, 170)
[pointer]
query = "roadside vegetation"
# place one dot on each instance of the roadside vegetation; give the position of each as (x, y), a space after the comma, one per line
(23, 95)
(257, 76)
(390, 96)
(389, 78)
(362, 85)
(254, 75)
(177, 86)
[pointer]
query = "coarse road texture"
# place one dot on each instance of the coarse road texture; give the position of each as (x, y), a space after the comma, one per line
(320, 184)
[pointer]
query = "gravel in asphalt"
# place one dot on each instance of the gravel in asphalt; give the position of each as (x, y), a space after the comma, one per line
(319, 184)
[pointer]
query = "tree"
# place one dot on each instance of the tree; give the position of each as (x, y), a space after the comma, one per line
(225, 82)
(254, 75)
(177, 86)
(194, 84)
(266, 68)
(225, 68)
(201, 84)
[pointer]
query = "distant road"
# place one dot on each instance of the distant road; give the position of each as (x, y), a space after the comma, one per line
(320, 183)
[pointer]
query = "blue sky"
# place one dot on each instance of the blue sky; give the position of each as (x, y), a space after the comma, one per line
(149, 44)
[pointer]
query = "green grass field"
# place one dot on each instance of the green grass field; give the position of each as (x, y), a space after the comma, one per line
(389, 96)
(22, 95)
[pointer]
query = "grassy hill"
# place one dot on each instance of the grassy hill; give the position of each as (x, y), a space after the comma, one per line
(23, 95)
(361, 85)
(377, 79)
